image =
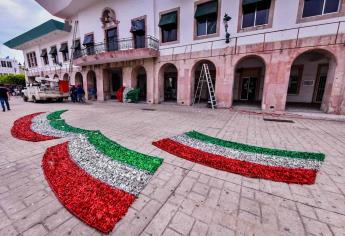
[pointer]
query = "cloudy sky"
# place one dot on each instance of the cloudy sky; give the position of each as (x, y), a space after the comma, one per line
(17, 17)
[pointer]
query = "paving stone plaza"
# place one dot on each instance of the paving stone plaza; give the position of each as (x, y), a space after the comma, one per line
(182, 198)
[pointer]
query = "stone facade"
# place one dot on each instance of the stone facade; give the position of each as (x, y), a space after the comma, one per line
(277, 57)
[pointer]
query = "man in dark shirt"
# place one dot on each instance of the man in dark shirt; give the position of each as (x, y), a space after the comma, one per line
(4, 96)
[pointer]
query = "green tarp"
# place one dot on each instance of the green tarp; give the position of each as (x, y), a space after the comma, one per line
(44, 53)
(64, 47)
(168, 19)
(53, 51)
(205, 9)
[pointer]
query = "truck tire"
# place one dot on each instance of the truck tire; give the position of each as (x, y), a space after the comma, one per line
(25, 98)
(34, 99)
(60, 99)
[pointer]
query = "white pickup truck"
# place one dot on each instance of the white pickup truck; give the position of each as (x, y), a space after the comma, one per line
(46, 89)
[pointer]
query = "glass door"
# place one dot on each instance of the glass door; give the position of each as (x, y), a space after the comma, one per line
(248, 89)
(111, 35)
(320, 83)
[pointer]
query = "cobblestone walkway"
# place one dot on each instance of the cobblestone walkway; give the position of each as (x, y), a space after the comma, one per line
(183, 198)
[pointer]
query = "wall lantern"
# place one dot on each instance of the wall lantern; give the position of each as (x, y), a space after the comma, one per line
(226, 19)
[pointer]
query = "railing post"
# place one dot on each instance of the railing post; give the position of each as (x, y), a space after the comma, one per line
(336, 36)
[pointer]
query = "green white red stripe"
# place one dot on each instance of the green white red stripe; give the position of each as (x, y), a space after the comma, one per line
(252, 161)
(94, 177)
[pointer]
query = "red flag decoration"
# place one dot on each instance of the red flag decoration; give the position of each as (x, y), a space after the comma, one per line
(95, 178)
(250, 161)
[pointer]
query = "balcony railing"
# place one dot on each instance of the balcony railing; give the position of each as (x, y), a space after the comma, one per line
(118, 45)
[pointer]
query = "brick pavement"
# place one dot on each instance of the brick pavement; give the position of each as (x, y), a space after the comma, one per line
(183, 198)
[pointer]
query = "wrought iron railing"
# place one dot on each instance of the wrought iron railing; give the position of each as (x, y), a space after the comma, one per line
(118, 45)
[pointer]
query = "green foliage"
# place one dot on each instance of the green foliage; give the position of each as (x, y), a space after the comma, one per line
(12, 79)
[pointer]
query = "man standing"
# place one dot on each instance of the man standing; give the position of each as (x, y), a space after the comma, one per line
(4, 97)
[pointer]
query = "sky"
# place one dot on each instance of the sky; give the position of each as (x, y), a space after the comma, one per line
(17, 17)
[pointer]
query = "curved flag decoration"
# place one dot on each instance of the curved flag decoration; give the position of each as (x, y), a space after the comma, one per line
(95, 178)
(21, 129)
(250, 161)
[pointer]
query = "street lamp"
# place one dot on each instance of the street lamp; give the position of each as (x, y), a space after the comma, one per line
(226, 19)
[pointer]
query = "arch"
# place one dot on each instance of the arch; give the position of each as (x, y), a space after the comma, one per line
(78, 79)
(65, 76)
(108, 16)
(310, 82)
(139, 80)
(196, 71)
(91, 85)
(168, 86)
(249, 81)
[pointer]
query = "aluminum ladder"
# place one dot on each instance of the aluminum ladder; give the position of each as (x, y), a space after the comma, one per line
(205, 76)
(75, 31)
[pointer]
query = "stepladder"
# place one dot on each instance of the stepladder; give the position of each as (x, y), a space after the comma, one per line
(205, 78)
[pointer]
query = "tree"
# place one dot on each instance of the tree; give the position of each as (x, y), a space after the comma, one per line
(12, 79)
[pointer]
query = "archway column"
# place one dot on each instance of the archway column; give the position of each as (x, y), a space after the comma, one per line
(127, 77)
(185, 82)
(84, 73)
(333, 101)
(223, 81)
(150, 81)
(276, 82)
(100, 84)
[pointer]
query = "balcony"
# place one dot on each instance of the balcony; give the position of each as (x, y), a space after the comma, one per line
(121, 50)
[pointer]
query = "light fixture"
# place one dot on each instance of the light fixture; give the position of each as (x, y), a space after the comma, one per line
(226, 19)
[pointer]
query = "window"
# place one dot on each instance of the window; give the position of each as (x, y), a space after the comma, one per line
(255, 14)
(64, 51)
(206, 16)
(76, 48)
(31, 57)
(320, 7)
(44, 56)
(53, 54)
(3, 63)
(295, 79)
(89, 44)
(9, 64)
(138, 30)
(168, 25)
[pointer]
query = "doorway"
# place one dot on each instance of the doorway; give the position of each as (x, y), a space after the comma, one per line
(320, 83)
(111, 39)
(249, 83)
(115, 82)
(306, 89)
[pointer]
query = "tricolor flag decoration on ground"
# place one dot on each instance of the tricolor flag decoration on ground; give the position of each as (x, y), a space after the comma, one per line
(250, 161)
(95, 178)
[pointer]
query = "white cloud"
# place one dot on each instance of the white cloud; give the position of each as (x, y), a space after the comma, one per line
(17, 17)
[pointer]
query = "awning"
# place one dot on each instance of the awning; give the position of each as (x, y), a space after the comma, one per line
(53, 51)
(205, 9)
(76, 44)
(64, 47)
(88, 39)
(168, 19)
(44, 53)
(248, 2)
(138, 25)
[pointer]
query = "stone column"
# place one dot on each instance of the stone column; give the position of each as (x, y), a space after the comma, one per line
(224, 81)
(100, 84)
(84, 74)
(150, 81)
(276, 82)
(127, 76)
